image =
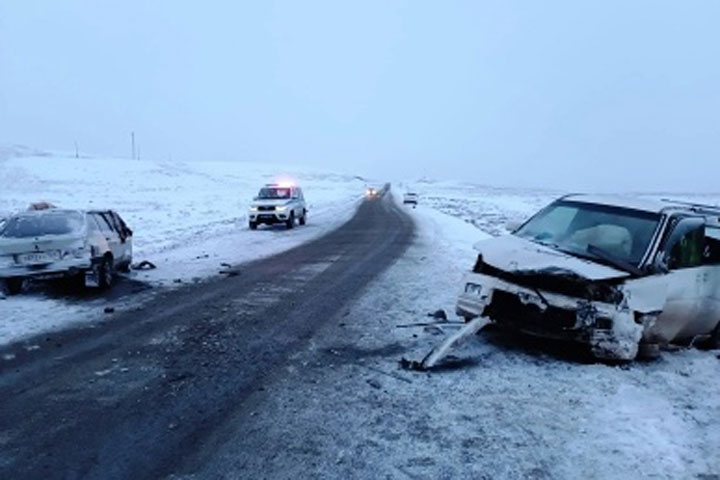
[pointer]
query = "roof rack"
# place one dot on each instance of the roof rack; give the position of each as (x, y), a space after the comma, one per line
(698, 207)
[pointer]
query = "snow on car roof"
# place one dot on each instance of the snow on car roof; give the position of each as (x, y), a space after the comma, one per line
(53, 211)
(635, 203)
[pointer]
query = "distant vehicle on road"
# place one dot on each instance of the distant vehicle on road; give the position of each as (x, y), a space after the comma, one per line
(278, 203)
(372, 192)
(410, 198)
(50, 243)
(623, 276)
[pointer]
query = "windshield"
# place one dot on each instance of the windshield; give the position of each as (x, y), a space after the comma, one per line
(597, 231)
(57, 223)
(273, 193)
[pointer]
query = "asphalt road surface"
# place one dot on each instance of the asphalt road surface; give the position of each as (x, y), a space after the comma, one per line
(148, 394)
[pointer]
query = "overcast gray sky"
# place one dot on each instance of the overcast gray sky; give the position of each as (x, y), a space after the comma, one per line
(569, 94)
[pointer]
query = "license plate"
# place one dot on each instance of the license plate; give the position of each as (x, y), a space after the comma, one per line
(38, 258)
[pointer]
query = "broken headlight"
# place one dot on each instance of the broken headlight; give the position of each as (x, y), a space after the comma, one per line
(604, 293)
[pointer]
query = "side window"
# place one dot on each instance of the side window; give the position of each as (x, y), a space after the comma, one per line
(688, 252)
(711, 253)
(105, 225)
(93, 225)
(120, 226)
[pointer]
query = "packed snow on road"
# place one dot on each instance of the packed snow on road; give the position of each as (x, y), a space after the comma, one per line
(189, 219)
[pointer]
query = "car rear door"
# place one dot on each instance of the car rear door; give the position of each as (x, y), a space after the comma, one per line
(125, 234)
(111, 236)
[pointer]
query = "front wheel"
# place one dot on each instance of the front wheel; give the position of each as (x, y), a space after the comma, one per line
(290, 221)
(714, 342)
(252, 225)
(15, 285)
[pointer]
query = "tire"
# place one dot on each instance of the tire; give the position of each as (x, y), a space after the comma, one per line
(290, 221)
(303, 219)
(648, 351)
(714, 341)
(15, 285)
(105, 273)
(252, 225)
(125, 267)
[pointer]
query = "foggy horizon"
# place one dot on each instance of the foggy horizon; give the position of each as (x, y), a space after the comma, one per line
(603, 97)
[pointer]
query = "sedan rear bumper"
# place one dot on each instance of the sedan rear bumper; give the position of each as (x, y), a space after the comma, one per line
(52, 270)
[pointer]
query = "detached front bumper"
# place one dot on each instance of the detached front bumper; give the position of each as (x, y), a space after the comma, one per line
(610, 330)
(56, 269)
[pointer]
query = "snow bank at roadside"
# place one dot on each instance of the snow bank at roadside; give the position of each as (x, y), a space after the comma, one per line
(188, 217)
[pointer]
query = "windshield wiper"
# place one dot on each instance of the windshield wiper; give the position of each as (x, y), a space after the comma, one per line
(615, 261)
(597, 254)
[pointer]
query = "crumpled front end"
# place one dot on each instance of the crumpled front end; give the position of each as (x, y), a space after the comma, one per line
(601, 319)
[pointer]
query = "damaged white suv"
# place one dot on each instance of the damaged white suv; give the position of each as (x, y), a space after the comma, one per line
(623, 276)
(53, 243)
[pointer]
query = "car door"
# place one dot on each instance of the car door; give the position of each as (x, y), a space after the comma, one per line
(301, 201)
(690, 283)
(112, 238)
(295, 202)
(125, 248)
(708, 283)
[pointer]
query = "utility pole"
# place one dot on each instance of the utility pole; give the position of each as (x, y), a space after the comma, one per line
(132, 141)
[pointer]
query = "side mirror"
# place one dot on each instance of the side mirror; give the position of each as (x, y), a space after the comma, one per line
(512, 225)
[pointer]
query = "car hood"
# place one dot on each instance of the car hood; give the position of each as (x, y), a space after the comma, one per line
(271, 202)
(517, 255)
(12, 246)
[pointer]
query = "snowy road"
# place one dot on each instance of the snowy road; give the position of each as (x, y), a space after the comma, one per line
(152, 392)
(290, 370)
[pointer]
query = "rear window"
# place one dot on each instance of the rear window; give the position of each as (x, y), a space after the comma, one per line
(25, 226)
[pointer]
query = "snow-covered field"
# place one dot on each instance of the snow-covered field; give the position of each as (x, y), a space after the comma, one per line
(490, 208)
(188, 218)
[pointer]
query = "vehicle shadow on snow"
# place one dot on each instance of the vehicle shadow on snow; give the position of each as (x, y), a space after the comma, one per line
(538, 348)
(71, 292)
